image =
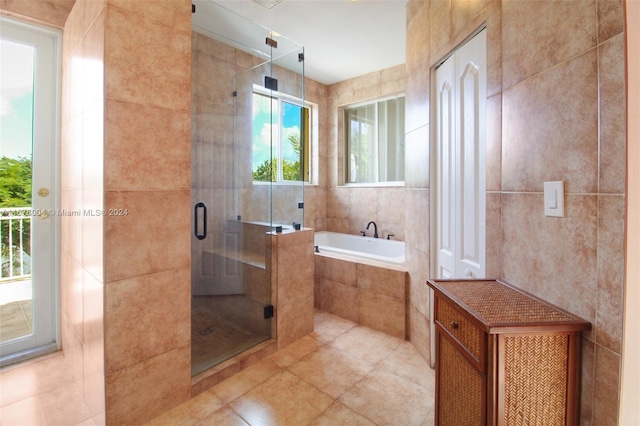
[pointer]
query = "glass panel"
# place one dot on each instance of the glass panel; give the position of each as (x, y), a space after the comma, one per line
(375, 142)
(361, 122)
(237, 138)
(265, 130)
(28, 106)
(16, 121)
(291, 144)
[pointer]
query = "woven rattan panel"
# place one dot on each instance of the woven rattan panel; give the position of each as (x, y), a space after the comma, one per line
(466, 333)
(535, 382)
(497, 303)
(460, 388)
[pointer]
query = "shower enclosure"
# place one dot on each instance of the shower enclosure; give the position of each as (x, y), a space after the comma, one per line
(249, 163)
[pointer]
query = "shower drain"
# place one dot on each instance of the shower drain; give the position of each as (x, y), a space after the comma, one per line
(205, 331)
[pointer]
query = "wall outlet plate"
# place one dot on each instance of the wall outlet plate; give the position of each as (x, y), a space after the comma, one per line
(554, 199)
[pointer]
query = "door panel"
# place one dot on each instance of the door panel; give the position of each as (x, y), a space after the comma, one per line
(470, 62)
(446, 154)
(460, 161)
(40, 48)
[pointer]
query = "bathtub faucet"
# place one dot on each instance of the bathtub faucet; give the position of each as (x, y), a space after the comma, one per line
(375, 228)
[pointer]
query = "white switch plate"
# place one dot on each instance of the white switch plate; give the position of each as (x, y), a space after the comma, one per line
(554, 199)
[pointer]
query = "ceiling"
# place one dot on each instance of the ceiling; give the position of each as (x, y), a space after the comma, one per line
(341, 38)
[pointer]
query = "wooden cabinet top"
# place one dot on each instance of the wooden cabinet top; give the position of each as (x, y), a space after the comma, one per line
(498, 307)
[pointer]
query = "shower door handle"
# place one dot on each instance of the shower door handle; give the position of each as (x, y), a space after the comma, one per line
(202, 206)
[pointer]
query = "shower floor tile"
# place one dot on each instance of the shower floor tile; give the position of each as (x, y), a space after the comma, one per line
(214, 338)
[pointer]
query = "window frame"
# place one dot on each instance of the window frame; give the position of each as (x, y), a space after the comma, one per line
(308, 136)
(345, 142)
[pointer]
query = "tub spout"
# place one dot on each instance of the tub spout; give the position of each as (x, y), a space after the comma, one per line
(375, 228)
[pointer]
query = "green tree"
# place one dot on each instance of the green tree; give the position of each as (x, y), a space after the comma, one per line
(291, 169)
(15, 191)
(267, 171)
(15, 182)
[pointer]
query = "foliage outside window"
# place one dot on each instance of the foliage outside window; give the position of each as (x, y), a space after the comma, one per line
(375, 141)
(280, 139)
(15, 191)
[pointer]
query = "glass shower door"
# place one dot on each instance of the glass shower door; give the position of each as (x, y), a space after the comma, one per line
(233, 214)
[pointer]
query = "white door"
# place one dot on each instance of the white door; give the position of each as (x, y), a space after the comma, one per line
(460, 131)
(458, 167)
(29, 60)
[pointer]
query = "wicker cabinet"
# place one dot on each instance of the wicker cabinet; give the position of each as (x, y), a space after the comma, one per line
(503, 356)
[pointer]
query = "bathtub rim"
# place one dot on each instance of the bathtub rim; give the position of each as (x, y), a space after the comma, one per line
(347, 255)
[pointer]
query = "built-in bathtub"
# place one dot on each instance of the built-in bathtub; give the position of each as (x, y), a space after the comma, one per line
(359, 246)
(363, 280)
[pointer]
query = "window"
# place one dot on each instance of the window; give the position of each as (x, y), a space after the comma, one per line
(281, 143)
(375, 141)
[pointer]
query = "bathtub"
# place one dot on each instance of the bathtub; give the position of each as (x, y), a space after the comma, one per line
(355, 245)
(363, 280)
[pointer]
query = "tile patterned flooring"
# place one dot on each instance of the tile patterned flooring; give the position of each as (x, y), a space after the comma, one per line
(341, 374)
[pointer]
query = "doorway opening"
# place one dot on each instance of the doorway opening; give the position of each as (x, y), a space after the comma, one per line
(29, 141)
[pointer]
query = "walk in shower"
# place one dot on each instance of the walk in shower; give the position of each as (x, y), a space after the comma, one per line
(249, 163)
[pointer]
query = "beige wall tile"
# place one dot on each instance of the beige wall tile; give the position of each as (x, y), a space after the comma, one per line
(382, 313)
(587, 377)
(609, 309)
(440, 30)
(610, 18)
(418, 325)
(136, 46)
(554, 258)
(606, 387)
(494, 144)
(153, 236)
(565, 100)
(538, 35)
(417, 158)
(382, 281)
(50, 12)
(141, 392)
(417, 220)
(493, 236)
(146, 148)
(94, 388)
(295, 285)
(93, 321)
(612, 115)
(339, 299)
(145, 317)
(171, 13)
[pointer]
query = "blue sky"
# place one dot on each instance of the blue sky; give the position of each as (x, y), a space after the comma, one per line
(263, 126)
(16, 99)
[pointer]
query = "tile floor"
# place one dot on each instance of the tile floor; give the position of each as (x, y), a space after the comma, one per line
(341, 374)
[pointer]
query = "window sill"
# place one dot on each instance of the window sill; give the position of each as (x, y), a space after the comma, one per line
(372, 185)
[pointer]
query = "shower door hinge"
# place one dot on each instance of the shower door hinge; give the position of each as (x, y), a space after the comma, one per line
(235, 93)
(193, 8)
(271, 42)
(300, 57)
(268, 311)
(270, 83)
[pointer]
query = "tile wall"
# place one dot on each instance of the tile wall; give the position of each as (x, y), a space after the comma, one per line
(371, 294)
(82, 188)
(125, 149)
(349, 209)
(555, 94)
(147, 156)
(555, 112)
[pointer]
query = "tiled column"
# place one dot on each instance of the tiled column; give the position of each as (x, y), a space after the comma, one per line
(147, 197)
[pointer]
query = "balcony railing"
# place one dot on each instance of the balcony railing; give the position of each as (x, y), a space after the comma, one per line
(15, 239)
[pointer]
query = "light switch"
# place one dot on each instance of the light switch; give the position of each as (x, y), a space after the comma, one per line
(554, 199)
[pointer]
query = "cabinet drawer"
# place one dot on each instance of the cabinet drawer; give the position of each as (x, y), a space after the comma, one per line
(465, 332)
